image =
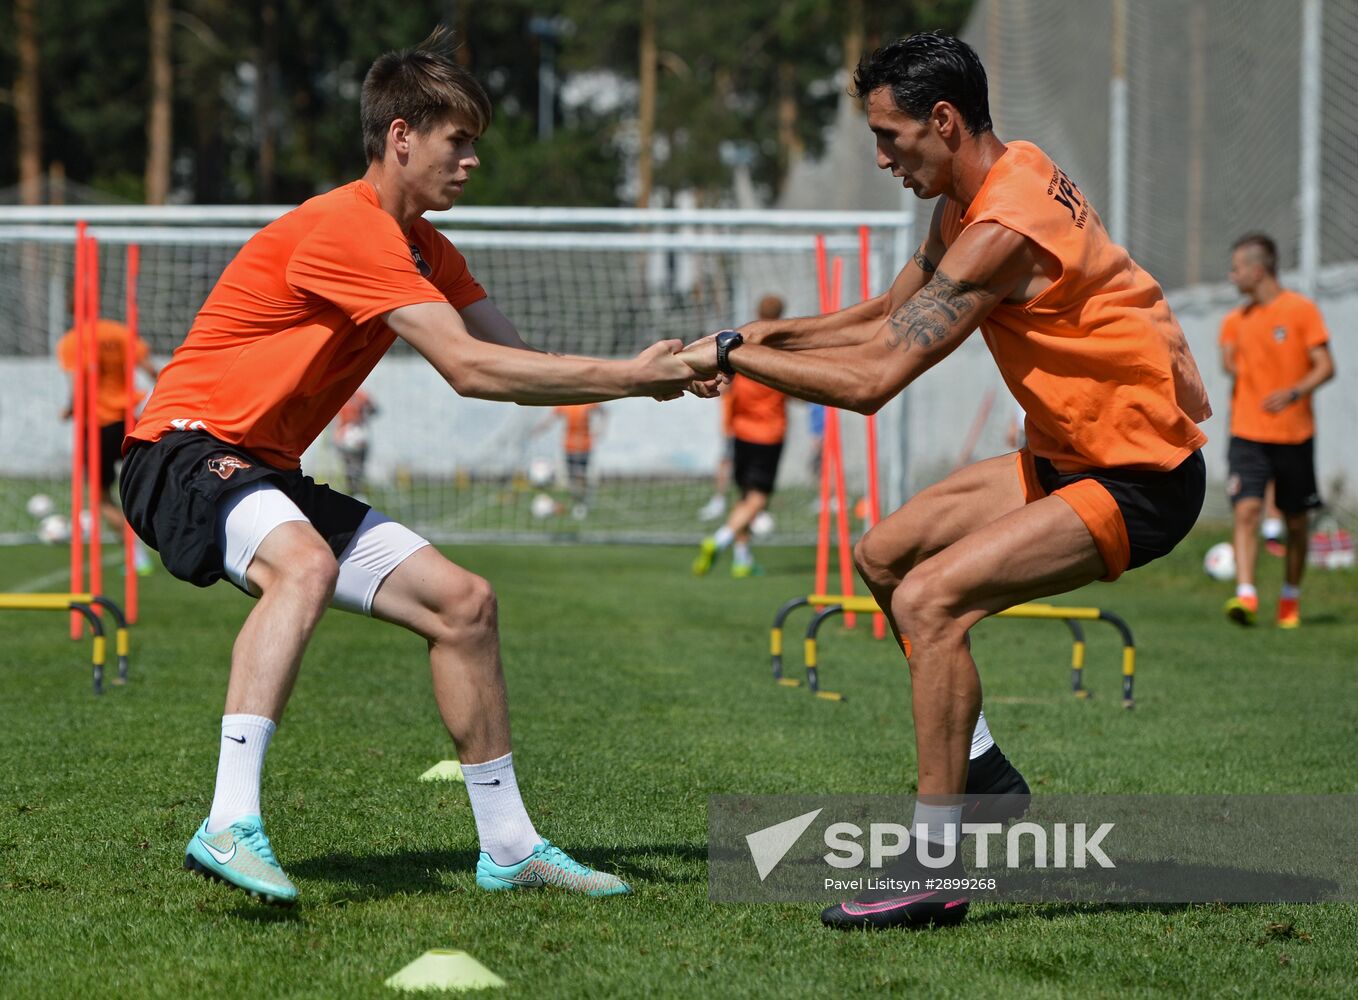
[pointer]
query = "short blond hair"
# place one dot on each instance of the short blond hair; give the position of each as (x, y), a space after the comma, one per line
(424, 86)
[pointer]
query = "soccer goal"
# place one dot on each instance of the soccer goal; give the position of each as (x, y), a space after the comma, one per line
(589, 281)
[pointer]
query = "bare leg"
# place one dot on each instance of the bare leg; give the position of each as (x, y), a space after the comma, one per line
(932, 520)
(1036, 551)
(456, 613)
(744, 513)
(293, 573)
(1298, 531)
(1246, 514)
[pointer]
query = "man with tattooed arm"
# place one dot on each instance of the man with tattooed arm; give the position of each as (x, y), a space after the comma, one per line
(1112, 475)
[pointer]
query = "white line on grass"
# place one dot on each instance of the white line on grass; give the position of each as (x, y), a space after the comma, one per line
(40, 583)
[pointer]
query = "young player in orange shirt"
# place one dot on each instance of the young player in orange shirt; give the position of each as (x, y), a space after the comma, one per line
(212, 479)
(112, 341)
(580, 422)
(1276, 349)
(349, 437)
(1111, 476)
(757, 418)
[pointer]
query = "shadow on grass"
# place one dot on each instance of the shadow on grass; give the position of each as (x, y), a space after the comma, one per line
(264, 915)
(375, 876)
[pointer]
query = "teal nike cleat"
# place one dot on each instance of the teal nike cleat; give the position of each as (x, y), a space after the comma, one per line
(240, 856)
(547, 866)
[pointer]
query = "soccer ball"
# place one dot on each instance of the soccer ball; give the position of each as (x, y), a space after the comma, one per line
(540, 472)
(762, 525)
(54, 529)
(350, 438)
(1219, 563)
(40, 505)
(543, 506)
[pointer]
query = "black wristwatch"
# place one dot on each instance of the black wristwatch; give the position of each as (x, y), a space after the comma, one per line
(727, 341)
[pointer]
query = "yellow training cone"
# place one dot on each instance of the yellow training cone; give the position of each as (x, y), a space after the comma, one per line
(444, 969)
(444, 770)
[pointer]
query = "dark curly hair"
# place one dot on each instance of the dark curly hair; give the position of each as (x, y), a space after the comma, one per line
(926, 68)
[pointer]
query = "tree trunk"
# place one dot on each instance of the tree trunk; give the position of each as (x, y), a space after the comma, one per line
(646, 111)
(158, 123)
(27, 106)
(459, 18)
(266, 77)
(853, 34)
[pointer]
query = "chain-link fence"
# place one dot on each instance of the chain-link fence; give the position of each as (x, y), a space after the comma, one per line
(1189, 123)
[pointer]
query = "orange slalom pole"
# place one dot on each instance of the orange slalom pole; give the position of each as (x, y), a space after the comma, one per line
(129, 417)
(78, 434)
(92, 457)
(823, 520)
(874, 494)
(844, 514)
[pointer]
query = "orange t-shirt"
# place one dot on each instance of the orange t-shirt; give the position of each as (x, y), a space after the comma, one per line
(293, 325)
(578, 439)
(1273, 345)
(111, 338)
(1097, 360)
(757, 413)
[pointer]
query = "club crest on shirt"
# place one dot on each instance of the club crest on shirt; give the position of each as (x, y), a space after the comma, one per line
(421, 264)
(1280, 333)
(226, 465)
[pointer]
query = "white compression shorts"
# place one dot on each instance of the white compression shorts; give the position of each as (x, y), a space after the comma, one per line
(247, 515)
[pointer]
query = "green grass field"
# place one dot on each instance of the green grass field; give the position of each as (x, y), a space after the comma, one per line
(636, 691)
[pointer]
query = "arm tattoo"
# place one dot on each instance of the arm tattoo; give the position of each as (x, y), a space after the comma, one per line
(924, 263)
(931, 315)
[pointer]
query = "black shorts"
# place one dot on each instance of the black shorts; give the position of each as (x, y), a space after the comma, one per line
(110, 453)
(577, 464)
(172, 488)
(1134, 516)
(1291, 467)
(756, 465)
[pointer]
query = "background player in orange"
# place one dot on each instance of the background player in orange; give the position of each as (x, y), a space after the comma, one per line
(1112, 475)
(350, 438)
(757, 418)
(111, 345)
(1276, 349)
(580, 423)
(295, 324)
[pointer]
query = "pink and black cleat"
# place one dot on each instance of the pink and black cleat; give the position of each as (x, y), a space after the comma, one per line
(912, 910)
(904, 895)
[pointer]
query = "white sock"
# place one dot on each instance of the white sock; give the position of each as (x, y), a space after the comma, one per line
(743, 555)
(981, 740)
(245, 740)
(1272, 528)
(1245, 590)
(502, 823)
(723, 537)
(1291, 592)
(940, 821)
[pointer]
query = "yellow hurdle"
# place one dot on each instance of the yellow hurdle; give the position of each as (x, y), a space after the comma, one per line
(829, 605)
(88, 607)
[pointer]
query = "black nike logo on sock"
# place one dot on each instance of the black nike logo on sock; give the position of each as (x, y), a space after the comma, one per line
(495, 782)
(237, 739)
